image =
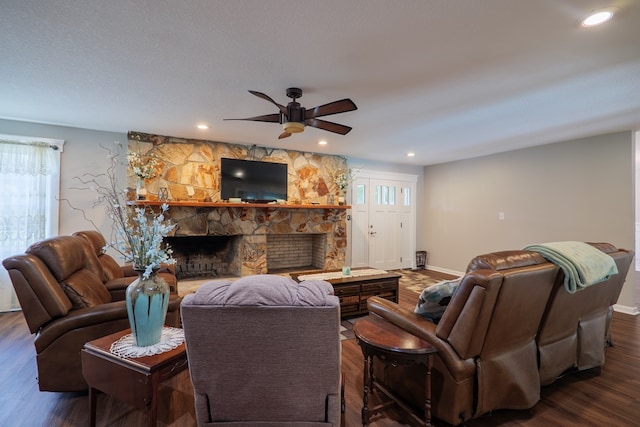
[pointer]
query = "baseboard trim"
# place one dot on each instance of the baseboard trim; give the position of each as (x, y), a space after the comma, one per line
(445, 270)
(626, 309)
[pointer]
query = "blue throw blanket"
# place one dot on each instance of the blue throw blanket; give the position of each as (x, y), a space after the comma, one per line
(583, 265)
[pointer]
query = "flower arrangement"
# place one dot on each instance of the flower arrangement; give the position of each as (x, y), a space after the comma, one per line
(143, 167)
(342, 178)
(137, 232)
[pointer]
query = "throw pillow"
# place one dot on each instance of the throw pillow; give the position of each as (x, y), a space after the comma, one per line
(434, 299)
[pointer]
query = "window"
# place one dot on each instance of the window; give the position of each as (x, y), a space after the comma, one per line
(385, 195)
(29, 178)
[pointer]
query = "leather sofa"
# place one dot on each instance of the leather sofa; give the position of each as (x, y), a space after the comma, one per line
(66, 304)
(509, 329)
(117, 277)
(574, 331)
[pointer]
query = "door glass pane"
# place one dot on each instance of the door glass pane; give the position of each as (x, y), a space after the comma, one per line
(378, 194)
(406, 193)
(392, 195)
(361, 191)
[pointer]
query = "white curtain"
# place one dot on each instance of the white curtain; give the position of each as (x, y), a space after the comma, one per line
(25, 184)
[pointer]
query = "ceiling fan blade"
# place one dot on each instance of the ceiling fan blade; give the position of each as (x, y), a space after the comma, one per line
(271, 118)
(330, 126)
(341, 106)
(284, 135)
(282, 108)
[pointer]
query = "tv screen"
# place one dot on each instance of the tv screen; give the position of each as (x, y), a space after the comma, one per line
(253, 181)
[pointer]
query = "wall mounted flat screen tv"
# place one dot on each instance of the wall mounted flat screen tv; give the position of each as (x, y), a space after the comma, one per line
(253, 181)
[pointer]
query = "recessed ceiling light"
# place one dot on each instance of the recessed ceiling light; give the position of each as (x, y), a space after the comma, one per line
(322, 142)
(411, 154)
(597, 18)
(202, 126)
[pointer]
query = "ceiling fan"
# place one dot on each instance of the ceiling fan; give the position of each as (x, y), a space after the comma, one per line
(294, 118)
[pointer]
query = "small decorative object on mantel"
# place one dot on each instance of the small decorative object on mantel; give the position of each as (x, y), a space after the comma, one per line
(143, 167)
(137, 234)
(342, 178)
(163, 194)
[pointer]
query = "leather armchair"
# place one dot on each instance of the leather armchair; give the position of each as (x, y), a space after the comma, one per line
(265, 351)
(487, 356)
(66, 305)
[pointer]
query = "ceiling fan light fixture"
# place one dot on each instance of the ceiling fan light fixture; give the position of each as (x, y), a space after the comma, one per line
(293, 127)
(597, 17)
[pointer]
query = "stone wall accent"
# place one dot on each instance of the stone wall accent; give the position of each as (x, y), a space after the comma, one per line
(254, 224)
(195, 164)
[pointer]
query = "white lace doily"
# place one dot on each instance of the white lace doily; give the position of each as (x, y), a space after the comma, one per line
(127, 348)
(339, 275)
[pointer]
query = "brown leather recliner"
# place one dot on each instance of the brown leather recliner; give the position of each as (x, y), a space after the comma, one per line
(117, 277)
(66, 305)
(487, 355)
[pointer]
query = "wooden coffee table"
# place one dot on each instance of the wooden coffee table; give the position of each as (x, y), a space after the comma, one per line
(354, 291)
(134, 381)
(395, 346)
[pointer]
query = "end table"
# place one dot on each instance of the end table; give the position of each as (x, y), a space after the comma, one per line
(134, 381)
(391, 345)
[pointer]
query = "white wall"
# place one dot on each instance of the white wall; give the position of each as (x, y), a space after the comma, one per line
(574, 190)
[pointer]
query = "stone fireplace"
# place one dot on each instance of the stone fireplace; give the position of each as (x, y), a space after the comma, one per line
(218, 239)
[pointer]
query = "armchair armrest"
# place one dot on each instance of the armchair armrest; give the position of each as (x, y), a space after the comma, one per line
(81, 318)
(424, 329)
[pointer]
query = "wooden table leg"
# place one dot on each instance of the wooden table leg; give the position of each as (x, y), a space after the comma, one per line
(427, 391)
(366, 386)
(93, 400)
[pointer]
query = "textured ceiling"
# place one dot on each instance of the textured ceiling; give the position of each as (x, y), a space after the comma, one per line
(445, 79)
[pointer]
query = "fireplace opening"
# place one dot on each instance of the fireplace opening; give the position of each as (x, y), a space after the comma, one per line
(291, 252)
(200, 257)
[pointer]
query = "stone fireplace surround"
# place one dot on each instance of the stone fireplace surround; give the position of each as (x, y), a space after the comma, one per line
(301, 236)
(256, 239)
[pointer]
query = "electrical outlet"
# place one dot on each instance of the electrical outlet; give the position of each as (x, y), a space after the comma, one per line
(501, 216)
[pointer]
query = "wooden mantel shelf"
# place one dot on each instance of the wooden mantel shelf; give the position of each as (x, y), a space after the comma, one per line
(196, 204)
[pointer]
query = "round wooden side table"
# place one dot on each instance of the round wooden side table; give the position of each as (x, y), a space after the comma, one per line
(395, 346)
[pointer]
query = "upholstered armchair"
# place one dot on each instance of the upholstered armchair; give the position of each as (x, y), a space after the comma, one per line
(264, 350)
(65, 305)
(487, 356)
(117, 277)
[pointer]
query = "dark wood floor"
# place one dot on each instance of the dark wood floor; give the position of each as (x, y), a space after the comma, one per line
(603, 397)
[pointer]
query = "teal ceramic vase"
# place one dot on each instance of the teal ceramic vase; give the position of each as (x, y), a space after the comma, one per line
(147, 300)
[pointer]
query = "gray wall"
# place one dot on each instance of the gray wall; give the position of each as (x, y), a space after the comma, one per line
(82, 154)
(574, 190)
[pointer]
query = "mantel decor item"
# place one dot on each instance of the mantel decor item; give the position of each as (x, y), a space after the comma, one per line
(342, 178)
(137, 234)
(144, 167)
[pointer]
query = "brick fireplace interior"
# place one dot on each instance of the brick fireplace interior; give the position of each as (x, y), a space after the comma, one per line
(204, 257)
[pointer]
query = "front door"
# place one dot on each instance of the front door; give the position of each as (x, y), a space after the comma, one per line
(383, 226)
